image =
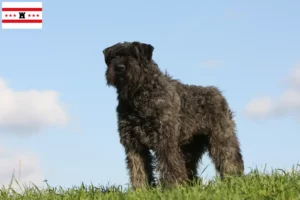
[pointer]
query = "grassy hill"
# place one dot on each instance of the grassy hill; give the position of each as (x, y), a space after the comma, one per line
(278, 184)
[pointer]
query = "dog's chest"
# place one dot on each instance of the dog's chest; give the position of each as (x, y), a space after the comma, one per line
(141, 123)
(146, 130)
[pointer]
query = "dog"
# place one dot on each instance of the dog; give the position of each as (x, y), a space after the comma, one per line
(176, 121)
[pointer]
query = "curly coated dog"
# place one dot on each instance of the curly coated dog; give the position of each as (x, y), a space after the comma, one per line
(178, 122)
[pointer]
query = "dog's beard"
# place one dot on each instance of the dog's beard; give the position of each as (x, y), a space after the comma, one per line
(110, 75)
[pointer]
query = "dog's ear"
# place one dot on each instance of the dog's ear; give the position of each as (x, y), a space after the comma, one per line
(107, 53)
(146, 50)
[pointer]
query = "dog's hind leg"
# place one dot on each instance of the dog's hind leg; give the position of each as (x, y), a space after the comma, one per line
(224, 149)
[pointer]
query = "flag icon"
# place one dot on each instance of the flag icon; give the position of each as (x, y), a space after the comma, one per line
(22, 15)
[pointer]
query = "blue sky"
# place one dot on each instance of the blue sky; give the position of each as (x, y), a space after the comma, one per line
(249, 49)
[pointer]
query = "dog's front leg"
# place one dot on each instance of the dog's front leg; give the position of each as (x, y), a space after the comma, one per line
(139, 159)
(170, 161)
(139, 163)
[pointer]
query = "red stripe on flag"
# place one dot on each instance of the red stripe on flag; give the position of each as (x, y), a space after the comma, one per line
(22, 21)
(22, 9)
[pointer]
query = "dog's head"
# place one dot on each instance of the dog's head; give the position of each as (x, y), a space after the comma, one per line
(126, 62)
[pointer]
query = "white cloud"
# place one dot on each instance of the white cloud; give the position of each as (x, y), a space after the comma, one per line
(235, 14)
(290, 99)
(31, 171)
(211, 63)
(288, 103)
(295, 76)
(29, 111)
(259, 107)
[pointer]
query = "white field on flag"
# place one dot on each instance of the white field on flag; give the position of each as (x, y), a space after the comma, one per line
(22, 15)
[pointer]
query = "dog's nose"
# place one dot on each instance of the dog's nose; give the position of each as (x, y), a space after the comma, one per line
(120, 67)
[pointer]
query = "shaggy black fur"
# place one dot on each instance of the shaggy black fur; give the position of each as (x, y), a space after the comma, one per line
(178, 122)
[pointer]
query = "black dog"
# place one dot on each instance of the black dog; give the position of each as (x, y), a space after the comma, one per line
(178, 122)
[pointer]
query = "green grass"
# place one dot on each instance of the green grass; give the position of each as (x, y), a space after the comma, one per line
(278, 184)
